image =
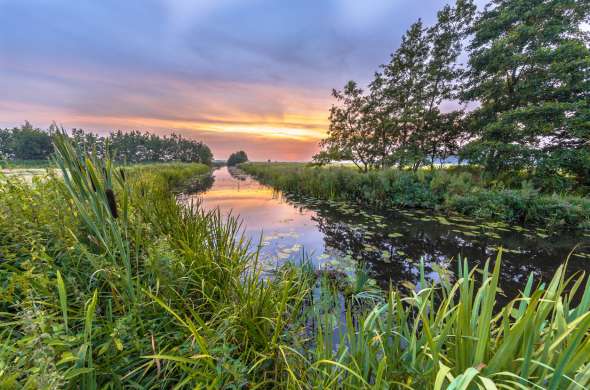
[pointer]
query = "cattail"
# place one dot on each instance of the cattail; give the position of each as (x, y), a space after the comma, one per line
(112, 202)
(92, 183)
(122, 172)
(79, 166)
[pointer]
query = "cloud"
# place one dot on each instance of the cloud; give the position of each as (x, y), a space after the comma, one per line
(237, 74)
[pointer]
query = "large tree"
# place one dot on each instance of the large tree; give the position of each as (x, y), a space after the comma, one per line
(423, 72)
(398, 120)
(403, 85)
(530, 72)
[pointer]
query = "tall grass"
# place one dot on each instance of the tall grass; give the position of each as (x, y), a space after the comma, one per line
(456, 190)
(160, 296)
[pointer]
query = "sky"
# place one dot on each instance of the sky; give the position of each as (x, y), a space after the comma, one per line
(255, 75)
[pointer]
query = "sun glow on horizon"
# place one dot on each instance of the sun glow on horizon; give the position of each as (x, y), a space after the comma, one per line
(303, 129)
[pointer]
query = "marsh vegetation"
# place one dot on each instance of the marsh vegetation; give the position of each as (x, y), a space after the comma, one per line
(129, 263)
(109, 282)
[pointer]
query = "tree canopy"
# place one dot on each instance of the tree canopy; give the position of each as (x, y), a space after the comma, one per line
(237, 158)
(530, 72)
(25, 143)
(28, 143)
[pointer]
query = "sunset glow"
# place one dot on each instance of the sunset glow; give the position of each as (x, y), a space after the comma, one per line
(237, 75)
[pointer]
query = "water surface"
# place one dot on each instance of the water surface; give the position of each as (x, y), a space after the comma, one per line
(389, 243)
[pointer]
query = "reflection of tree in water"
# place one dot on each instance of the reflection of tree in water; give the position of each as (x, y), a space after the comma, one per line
(237, 173)
(199, 184)
(438, 245)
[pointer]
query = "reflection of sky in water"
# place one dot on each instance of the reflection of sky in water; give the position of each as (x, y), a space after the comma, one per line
(287, 232)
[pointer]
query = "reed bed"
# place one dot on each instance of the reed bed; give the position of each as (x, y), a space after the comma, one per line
(106, 282)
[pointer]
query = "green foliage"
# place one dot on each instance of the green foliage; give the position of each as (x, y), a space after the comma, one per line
(452, 336)
(135, 147)
(19, 145)
(25, 143)
(529, 64)
(456, 189)
(237, 158)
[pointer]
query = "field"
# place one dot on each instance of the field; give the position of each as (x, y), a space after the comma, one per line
(107, 282)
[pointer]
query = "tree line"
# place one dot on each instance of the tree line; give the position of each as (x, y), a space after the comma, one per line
(527, 74)
(29, 143)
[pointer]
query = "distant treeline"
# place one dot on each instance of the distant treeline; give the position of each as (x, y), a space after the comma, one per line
(29, 143)
(527, 78)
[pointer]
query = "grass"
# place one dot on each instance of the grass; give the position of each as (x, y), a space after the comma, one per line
(161, 296)
(458, 190)
(24, 164)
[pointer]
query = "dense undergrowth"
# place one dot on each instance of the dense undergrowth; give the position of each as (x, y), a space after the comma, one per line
(446, 190)
(107, 282)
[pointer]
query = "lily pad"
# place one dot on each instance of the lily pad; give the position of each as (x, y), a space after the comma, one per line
(395, 235)
(443, 220)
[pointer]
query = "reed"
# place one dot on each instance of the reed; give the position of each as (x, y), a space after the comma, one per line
(169, 296)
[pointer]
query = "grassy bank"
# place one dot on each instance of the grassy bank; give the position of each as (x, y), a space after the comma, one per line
(107, 282)
(24, 164)
(445, 189)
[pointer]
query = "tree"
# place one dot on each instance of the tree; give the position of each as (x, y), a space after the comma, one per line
(530, 72)
(445, 137)
(422, 73)
(398, 120)
(5, 145)
(350, 135)
(403, 83)
(28, 143)
(237, 158)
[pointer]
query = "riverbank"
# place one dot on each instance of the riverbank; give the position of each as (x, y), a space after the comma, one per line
(106, 281)
(441, 190)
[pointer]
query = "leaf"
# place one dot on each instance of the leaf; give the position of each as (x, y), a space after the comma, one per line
(76, 371)
(63, 298)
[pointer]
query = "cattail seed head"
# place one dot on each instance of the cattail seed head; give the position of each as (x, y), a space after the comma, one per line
(112, 202)
(92, 183)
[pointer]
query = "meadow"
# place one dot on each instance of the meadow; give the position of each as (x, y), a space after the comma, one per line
(107, 282)
(451, 189)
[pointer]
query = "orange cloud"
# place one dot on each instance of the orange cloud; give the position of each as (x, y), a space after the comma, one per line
(268, 121)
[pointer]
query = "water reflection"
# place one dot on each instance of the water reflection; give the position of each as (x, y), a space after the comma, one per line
(338, 235)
